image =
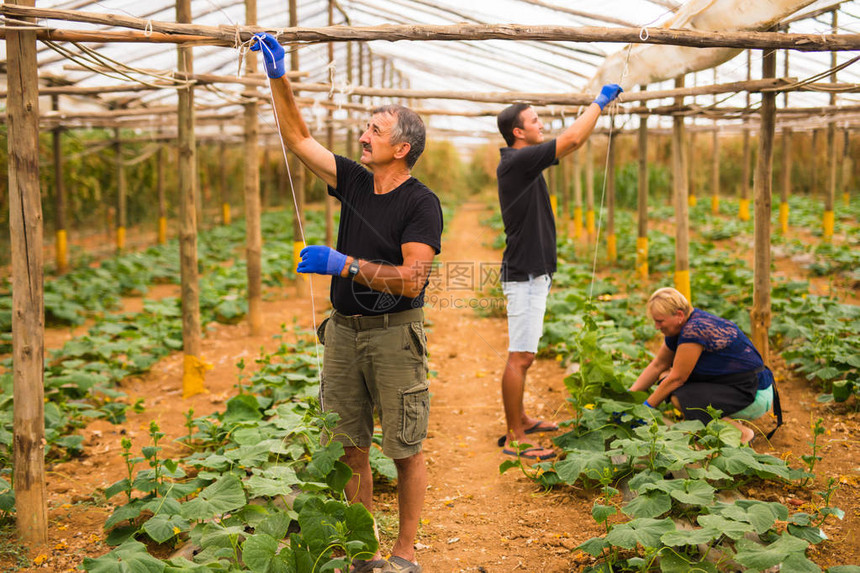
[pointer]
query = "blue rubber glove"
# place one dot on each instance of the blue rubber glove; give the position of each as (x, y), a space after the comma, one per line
(321, 260)
(608, 93)
(647, 404)
(273, 54)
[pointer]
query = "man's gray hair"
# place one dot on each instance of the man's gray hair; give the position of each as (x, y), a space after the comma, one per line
(409, 128)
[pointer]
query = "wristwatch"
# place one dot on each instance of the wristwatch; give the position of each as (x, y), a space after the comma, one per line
(352, 270)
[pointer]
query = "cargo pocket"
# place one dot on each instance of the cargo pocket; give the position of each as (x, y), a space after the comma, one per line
(419, 338)
(321, 331)
(414, 414)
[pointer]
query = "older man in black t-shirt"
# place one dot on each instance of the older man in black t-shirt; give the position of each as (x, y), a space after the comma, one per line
(375, 346)
(529, 259)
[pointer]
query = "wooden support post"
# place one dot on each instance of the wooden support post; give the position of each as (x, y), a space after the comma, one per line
(611, 244)
(691, 166)
(61, 238)
(642, 201)
(786, 180)
(121, 193)
(744, 200)
(589, 192)
(679, 186)
(551, 175)
(28, 306)
(253, 208)
(194, 368)
(847, 164)
(564, 191)
(813, 163)
(350, 71)
(761, 313)
(715, 163)
(830, 199)
(162, 201)
(223, 190)
(299, 177)
(577, 195)
(329, 200)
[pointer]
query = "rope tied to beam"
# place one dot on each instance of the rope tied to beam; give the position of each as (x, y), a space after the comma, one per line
(147, 30)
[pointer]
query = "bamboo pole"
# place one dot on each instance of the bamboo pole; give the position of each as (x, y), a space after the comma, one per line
(162, 201)
(761, 312)
(253, 202)
(121, 194)
(682, 222)
(62, 259)
(154, 31)
(298, 168)
(642, 200)
(28, 306)
(194, 368)
(830, 200)
(589, 192)
(611, 245)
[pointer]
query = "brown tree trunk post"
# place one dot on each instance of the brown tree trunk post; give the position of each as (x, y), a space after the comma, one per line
(350, 76)
(679, 185)
(830, 200)
(299, 178)
(551, 176)
(691, 166)
(642, 200)
(253, 202)
(329, 200)
(813, 163)
(563, 193)
(162, 201)
(761, 313)
(577, 196)
(61, 238)
(121, 194)
(611, 245)
(223, 191)
(715, 163)
(847, 164)
(589, 192)
(194, 368)
(28, 306)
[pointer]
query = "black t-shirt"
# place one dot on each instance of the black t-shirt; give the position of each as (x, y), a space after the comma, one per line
(373, 228)
(526, 211)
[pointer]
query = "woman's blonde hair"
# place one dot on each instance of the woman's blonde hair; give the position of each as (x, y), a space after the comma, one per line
(668, 301)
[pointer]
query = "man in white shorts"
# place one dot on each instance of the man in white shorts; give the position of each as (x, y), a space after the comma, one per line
(530, 253)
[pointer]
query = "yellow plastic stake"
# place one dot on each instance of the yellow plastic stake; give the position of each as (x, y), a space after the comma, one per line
(715, 205)
(62, 251)
(744, 209)
(297, 257)
(611, 249)
(682, 284)
(193, 375)
(120, 238)
(829, 220)
(577, 222)
(846, 198)
(162, 230)
(642, 257)
(691, 200)
(553, 200)
(225, 213)
(589, 222)
(783, 218)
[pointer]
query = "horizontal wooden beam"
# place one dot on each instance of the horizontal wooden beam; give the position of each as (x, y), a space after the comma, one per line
(235, 35)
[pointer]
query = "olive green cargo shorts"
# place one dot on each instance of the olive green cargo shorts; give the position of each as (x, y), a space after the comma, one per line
(377, 364)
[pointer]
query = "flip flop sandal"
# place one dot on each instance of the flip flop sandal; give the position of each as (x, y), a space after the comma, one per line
(400, 565)
(528, 454)
(375, 566)
(550, 427)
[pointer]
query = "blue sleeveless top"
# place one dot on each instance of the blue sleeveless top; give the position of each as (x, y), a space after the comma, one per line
(727, 350)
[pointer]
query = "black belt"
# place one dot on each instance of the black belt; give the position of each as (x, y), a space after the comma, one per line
(361, 322)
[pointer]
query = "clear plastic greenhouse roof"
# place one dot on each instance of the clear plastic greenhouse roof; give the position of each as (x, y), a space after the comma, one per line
(459, 66)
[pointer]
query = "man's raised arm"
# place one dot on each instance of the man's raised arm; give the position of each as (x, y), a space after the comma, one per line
(294, 130)
(574, 136)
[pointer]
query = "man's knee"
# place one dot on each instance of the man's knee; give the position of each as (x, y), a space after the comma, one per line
(521, 359)
(355, 457)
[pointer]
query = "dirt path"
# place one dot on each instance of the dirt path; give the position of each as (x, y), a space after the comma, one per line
(474, 519)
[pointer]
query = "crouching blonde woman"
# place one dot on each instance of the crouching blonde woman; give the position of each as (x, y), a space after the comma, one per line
(704, 361)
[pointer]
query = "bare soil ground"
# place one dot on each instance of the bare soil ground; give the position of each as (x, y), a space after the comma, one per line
(475, 519)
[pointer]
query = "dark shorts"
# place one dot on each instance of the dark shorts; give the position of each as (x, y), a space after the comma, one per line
(376, 365)
(728, 393)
